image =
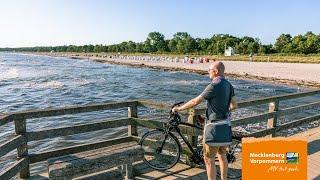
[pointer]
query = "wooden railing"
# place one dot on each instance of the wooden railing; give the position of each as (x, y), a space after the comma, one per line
(22, 137)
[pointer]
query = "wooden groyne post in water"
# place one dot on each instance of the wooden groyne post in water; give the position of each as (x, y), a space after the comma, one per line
(24, 159)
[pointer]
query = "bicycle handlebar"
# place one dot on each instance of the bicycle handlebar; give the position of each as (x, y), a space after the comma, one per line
(177, 104)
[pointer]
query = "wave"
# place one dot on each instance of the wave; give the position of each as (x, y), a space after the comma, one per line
(56, 84)
(50, 84)
(9, 74)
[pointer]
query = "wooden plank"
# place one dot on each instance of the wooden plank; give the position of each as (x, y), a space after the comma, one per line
(285, 126)
(265, 100)
(154, 174)
(71, 110)
(157, 105)
(264, 116)
(276, 98)
(252, 119)
(90, 153)
(11, 144)
(85, 163)
(38, 157)
(12, 170)
(313, 136)
(300, 108)
(298, 122)
(50, 133)
(5, 119)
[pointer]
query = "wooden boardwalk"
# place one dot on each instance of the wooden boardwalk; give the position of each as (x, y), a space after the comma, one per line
(182, 171)
(313, 136)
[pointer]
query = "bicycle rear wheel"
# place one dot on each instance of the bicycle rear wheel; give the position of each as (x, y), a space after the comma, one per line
(234, 160)
(161, 150)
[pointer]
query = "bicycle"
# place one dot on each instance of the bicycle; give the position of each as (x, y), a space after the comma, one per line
(162, 148)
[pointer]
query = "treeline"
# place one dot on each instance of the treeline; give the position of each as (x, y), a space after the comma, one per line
(184, 43)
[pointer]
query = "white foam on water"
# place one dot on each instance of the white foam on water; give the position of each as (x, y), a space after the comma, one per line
(80, 82)
(46, 85)
(9, 74)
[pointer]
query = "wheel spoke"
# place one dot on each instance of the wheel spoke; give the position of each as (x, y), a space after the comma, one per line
(161, 151)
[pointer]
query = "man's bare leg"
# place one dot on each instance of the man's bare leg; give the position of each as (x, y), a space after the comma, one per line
(210, 164)
(223, 162)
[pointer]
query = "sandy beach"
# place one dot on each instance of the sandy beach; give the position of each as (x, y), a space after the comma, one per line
(301, 74)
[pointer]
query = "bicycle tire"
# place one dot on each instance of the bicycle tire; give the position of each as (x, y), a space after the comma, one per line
(234, 160)
(151, 157)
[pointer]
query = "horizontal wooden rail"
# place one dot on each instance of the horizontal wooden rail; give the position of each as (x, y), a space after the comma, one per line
(158, 105)
(12, 170)
(5, 119)
(153, 104)
(300, 108)
(11, 145)
(241, 104)
(298, 122)
(71, 110)
(252, 119)
(77, 129)
(265, 116)
(42, 156)
(288, 96)
(284, 126)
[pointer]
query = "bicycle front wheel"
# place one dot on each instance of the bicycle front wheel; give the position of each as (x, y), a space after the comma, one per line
(161, 149)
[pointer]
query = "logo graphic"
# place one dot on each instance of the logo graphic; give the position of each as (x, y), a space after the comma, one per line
(292, 157)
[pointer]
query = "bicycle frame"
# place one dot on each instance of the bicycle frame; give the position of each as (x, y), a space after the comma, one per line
(177, 129)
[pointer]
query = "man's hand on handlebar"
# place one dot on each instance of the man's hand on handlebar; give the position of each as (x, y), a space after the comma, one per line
(175, 107)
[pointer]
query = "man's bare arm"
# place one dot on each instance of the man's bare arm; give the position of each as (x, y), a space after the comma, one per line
(193, 102)
(233, 104)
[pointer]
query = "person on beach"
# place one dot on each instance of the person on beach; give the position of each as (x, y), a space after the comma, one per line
(220, 101)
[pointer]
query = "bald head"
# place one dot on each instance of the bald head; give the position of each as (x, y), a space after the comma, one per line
(219, 66)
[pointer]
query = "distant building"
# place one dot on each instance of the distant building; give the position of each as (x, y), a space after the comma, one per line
(229, 51)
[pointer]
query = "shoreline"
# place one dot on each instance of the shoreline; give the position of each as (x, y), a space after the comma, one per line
(234, 69)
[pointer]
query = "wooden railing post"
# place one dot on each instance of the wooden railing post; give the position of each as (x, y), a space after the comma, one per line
(132, 112)
(272, 122)
(192, 119)
(21, 129)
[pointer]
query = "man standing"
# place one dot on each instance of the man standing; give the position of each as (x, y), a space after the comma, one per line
(220, 101)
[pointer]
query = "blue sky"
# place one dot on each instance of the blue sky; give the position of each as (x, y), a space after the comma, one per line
(64, 22)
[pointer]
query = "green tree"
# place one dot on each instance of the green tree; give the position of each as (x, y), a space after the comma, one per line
(182, 42)
(202, 44)
(155, 42)
(283, 42)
